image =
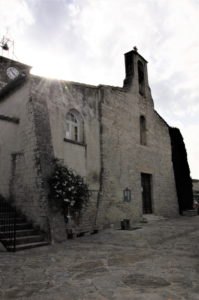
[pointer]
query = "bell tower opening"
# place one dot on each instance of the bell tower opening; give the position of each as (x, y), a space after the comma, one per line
(141, 79)
(136, 71)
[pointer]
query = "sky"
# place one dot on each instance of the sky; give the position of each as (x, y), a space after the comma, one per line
(84, 41)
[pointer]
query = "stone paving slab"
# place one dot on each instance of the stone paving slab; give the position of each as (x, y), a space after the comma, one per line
(159, 261)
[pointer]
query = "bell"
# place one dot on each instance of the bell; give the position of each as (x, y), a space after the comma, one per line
(5, 47)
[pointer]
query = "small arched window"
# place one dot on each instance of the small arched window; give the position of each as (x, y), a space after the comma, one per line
(143, 140)
(74, 126)
(141, 79)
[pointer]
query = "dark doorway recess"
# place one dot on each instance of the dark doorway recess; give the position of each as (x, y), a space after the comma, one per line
(146, 193)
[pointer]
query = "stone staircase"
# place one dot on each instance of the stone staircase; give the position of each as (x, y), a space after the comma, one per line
(16, 233)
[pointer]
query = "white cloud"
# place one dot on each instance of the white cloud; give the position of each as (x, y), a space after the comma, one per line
(14, 16)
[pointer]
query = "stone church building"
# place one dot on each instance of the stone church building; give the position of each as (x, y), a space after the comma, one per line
(112, 136)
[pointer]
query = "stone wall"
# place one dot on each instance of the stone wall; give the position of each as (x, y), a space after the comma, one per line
(124, 158)
(19, 169)
(111, 157)
(10, 109)
(83, 158)
(195, 184)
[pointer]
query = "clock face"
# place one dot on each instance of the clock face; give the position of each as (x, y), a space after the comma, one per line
(12, 72)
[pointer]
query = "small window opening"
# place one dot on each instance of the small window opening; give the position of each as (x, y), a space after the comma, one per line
(74, 126)
(76, 133)
(143, 140)
(141, 79)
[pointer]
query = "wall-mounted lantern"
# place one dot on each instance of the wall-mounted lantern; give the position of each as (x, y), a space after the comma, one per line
(127, 195)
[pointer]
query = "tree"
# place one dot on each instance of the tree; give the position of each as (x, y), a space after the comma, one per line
(181, 170)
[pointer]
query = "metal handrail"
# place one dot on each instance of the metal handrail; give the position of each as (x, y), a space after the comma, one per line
(7, 225)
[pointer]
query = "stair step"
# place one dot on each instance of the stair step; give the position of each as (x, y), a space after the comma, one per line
(148, 218)
(7, 210)
(11, 220)
(26, 236)
(18, 226)
(190, 213)
(28, 246)
(7, 215)
(24, 239)
(19, 233)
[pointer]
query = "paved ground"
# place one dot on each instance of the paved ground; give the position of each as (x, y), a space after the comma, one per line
(160, 261)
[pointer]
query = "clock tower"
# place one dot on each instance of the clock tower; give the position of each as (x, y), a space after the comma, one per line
(11, 70)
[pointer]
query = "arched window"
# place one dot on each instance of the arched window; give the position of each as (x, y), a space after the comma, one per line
(143, 140)
(141, 79)
(74, 126)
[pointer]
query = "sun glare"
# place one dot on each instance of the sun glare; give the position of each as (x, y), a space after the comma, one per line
(49, 71)
(50, 68)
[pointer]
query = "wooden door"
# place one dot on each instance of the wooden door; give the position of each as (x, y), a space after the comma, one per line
(146, 193)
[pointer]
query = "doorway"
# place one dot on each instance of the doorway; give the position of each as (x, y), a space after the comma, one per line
(146, 193)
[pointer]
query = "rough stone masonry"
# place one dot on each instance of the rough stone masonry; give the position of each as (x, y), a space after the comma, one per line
(112, 136)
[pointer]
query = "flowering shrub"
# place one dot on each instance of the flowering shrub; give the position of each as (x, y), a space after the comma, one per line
(68, 190)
